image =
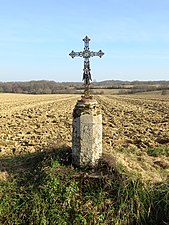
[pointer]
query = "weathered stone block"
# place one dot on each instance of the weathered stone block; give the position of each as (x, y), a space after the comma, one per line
(87, 133)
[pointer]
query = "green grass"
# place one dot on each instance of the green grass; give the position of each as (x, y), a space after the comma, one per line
(46, 189)
(158, 151)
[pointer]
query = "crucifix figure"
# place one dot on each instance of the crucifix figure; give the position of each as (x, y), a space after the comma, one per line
(86, 54)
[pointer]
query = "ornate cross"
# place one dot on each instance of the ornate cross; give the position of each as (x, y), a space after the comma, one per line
(86, 54)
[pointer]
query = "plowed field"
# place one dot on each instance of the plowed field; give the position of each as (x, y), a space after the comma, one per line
(131, 125)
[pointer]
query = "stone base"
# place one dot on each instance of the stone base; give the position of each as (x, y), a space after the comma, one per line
(87, 133)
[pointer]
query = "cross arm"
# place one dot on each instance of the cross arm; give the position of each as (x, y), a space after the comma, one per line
(99, 53)
(75, 54)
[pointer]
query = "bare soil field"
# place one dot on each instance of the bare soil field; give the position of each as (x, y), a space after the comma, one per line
(131, 125)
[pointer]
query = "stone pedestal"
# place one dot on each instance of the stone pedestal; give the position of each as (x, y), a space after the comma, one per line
(87, 133)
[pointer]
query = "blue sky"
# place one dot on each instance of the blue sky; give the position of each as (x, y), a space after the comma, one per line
(36, 37)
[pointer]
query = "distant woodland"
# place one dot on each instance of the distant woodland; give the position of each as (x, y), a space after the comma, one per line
(52, 87)
(38, 87)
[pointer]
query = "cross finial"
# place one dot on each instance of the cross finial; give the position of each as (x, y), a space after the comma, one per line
(86, 39)
(86, 54)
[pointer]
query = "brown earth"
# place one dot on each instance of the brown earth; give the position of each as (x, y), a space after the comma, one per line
(131, 124)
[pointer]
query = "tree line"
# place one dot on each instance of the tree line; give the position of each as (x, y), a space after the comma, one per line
(40, 87)
(52, 87)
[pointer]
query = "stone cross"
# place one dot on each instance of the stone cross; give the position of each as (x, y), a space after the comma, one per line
(86, 54)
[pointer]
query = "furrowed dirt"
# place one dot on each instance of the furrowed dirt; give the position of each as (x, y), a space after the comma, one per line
(132, 122)
(33, 123)
(131, 125)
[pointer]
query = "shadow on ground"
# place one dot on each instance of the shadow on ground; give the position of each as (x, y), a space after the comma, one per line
(30, 165)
